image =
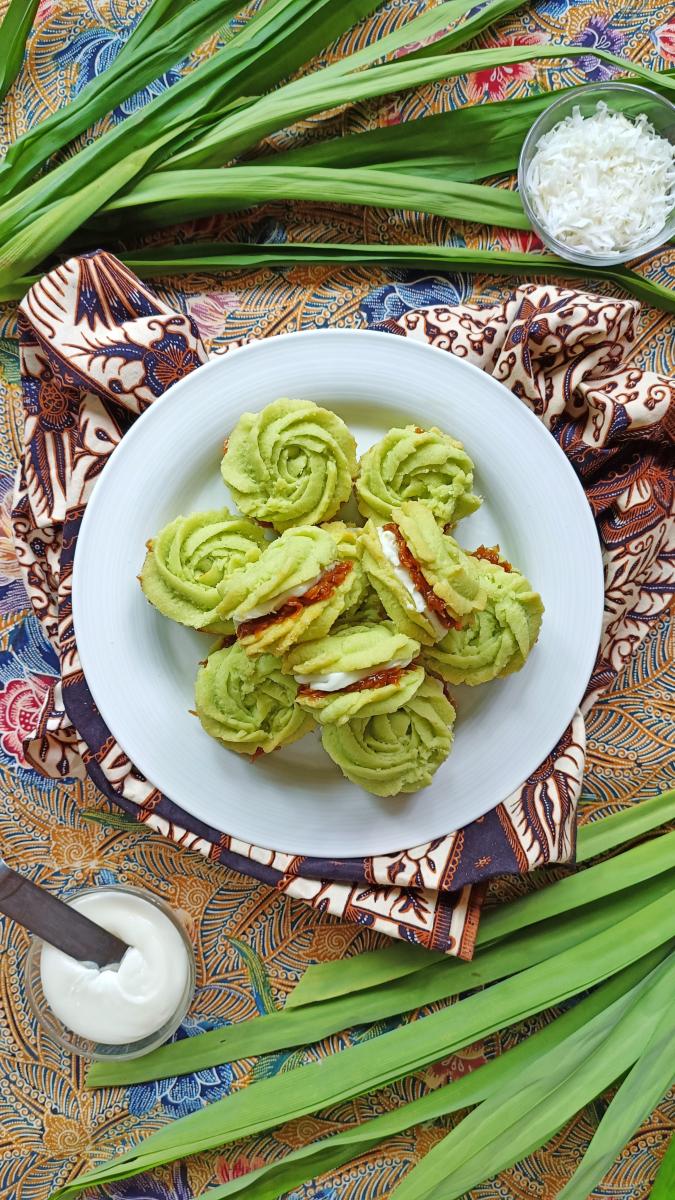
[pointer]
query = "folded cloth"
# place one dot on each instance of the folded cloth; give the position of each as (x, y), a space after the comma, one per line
(97, 347)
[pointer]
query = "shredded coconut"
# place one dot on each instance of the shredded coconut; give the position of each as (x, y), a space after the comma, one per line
(602, 183)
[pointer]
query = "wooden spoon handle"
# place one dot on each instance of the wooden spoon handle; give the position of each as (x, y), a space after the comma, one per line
(55, 922)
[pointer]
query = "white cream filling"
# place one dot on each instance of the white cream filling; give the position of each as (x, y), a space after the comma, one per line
(334, 681)
(125, 1004)
(278, 602)
(390, 551)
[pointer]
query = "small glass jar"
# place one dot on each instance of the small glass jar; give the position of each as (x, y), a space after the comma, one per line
(72, 1042)
(628, 98)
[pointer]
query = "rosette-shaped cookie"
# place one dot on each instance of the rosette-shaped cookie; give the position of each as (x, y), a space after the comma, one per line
(295, 591)
(356, 672)
(248, 704)
(291, 464)
(399, 751)
(426, 582)
(497, 640)
(417, 464)
(187, 560)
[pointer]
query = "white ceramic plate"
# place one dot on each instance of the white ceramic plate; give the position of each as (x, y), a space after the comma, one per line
(141, 667)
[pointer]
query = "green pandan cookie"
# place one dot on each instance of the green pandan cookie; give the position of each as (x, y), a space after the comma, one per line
(291, 464)
(189, 558)
(348, 541)
(399, 751)
(346, 538)
(368, 609)
(452, 575)
(497, 640)
(358, 671)
(248, 704)
(417, 464)
(299, 583)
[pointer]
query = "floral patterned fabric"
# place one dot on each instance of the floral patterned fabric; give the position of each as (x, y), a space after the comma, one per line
(252, 942)
(97, 347)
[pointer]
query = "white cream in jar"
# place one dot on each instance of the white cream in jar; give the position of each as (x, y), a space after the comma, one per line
(119, 1004)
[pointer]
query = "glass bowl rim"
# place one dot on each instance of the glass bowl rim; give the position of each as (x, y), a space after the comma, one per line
(85, 1048)
(535, 132)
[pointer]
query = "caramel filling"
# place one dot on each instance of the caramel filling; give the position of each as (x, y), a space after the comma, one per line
(323, 590)
(413, 568)
(491, 555)
(385, 678)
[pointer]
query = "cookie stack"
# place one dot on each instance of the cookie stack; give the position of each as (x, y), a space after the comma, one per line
(355, 628)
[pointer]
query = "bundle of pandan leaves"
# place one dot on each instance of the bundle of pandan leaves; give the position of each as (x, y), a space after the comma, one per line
(179, 156)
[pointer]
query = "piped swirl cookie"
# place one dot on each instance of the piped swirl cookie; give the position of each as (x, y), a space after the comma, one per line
(357, 672)
(426, 582)
(295, 591)
(498, 640)
(291, 464)
(417, 464)
(399, 751)
(187, 560)
(248, 704)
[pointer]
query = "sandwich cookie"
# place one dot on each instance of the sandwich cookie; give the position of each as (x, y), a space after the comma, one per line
(426, 582)
(356, 672)
(187, 560)
(294, 592)
(499, 639)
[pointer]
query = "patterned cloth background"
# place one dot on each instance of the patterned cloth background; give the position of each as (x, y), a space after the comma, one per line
(255, 942)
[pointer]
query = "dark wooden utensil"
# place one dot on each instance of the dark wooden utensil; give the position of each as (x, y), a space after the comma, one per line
(56, 922)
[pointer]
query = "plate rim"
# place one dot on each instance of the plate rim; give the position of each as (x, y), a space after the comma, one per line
(259, 345)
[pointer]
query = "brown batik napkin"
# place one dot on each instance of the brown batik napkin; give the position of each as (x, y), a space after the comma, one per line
(98, 347)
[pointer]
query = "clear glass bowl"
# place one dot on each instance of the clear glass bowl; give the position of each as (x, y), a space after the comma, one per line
(631, 99)
(75, 1044)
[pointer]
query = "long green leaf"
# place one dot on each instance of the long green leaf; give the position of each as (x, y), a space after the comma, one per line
(168, 31)
(464, 144)
(14, 31)
(332, 979)
(163, 262)
(377, 1063)
(168, 197)
(664, 1184)
(640, 1092)
(242, 128)
(299, 1026)
(524, 1113)
(316, 25)
(154, 263)
(477, 20)
(273, 43)
(401, 42)
(156, 15)
(326, 1155)
(339, 84)
(37, 239)
(341, 977)
(583, 887)
(606, 833)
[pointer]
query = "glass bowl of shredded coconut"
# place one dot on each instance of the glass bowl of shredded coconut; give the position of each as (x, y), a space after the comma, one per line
(597, 174)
